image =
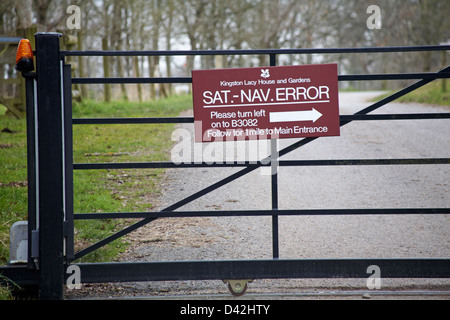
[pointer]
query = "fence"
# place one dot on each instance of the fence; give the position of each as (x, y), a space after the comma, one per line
(50, 174)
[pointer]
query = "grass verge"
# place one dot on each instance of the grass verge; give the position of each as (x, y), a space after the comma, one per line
(94, 190)
(431, 93)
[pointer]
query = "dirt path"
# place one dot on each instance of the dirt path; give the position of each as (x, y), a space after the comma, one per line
(311, 188)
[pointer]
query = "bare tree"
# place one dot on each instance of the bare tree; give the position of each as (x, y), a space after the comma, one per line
(119, 25)
(243, 24)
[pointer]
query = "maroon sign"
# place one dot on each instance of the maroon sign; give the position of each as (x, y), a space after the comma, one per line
(266, 103)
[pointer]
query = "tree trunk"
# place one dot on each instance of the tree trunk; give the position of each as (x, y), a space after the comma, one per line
(81, 65)
(137, 74)
(106, 69)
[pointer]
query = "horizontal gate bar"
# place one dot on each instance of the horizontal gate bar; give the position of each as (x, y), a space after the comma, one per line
(132, 80)
(160, 165)
(361, 117)
(347, 77)
(393, 76)
(20, 275)
(255, 52)
(241, 269)
(283, 163)
(364, 162)
(235, 213)
(262, 269)
(133, 120)
(405, 116)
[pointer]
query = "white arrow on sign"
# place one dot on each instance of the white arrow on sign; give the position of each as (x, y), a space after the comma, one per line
(308, 115)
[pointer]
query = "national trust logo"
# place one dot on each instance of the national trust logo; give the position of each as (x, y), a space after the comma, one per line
(265, 73)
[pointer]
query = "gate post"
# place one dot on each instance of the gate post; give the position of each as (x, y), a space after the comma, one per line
(50, 166)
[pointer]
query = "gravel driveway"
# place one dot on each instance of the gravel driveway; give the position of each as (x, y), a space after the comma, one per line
(401, 236)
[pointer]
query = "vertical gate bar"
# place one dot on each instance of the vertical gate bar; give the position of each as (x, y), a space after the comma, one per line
(31, 164)
(274, 185)
(50, 157)
(68, 159)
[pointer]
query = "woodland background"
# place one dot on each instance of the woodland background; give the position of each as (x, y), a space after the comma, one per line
(227, 24)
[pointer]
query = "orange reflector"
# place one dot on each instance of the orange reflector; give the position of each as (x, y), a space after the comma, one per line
(24, 50)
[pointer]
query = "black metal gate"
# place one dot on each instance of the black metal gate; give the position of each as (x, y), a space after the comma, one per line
(50, 174)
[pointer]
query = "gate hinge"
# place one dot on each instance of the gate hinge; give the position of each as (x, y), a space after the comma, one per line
(34, 244)
(35, 247)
